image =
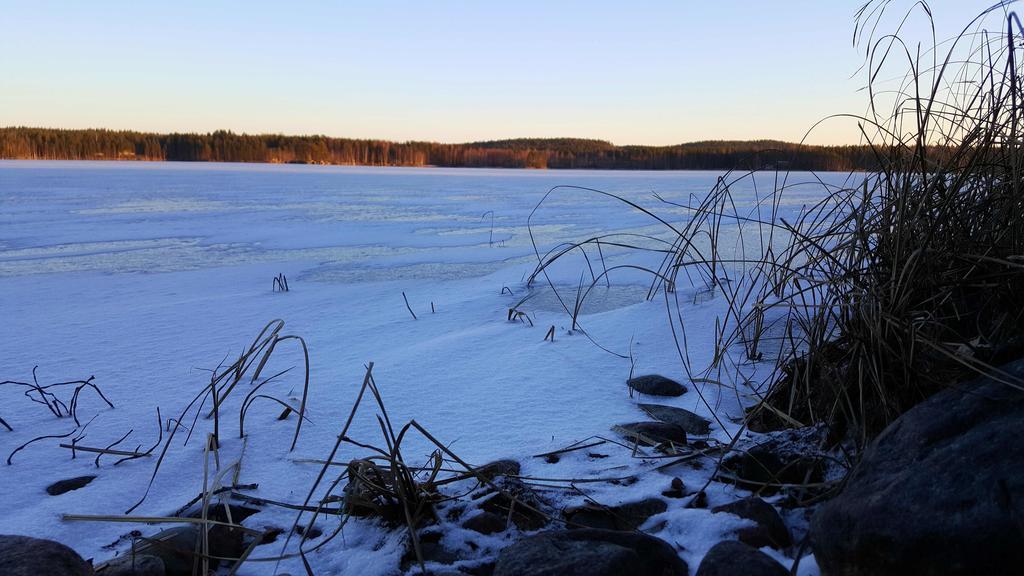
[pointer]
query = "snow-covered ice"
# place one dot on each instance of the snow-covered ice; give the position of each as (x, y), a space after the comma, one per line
(147, 276)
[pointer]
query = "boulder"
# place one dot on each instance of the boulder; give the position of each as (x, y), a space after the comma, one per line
(692, 423)
(25, 556)
(768, 529)
(629, 516)
(651, 433)
(590, 552)
(655, 385)
(731, 558)
(940, 491)
(62, 486)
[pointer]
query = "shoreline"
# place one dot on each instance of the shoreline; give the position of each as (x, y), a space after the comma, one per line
(416, 167)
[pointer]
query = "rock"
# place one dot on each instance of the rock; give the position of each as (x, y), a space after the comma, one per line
(688, 421)
(309, 532)
(233, 513)
(677, 489)
(133, 565)
(270, 535)
(432, 550)
(25, 556)
(62, 486)
(786, 457)
(656, 385)
(628, 516)
(590, 552)
(731, 558)
(486, 523)
(497, 468)
(481, 569)
(521, 500)
(175, 547)
(699, 500)
(940, 491)
(651, 433)
(224, 541)
(769, 530)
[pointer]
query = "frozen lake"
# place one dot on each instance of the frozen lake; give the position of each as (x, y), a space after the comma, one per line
(148, 275)
(328, 223)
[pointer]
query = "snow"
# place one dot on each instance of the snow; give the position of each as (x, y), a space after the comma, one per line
(147, 276)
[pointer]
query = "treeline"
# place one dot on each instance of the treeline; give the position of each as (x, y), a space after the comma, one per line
(223, 146)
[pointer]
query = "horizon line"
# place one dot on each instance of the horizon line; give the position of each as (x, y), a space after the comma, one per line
(411, 141)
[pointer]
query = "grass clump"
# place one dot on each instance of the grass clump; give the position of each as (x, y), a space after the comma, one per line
(893, 285)
(924, 268)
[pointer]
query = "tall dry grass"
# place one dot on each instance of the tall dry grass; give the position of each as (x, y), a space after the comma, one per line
(922, 286)
(900, 282)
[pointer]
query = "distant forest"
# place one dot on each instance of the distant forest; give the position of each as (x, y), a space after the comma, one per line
(223, 146)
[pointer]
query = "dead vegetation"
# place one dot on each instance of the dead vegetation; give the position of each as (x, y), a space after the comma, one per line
(280, 283)
(382, 485)
(890, 287)
(60, 406)
(919, 281)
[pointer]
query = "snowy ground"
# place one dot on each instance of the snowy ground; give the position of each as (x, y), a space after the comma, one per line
(148, 275)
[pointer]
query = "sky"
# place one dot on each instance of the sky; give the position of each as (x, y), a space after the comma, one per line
(635, 72)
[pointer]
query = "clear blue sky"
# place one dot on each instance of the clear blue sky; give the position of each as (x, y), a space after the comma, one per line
(630, 72)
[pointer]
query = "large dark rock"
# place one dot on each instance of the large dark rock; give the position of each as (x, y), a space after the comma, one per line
(62, 486)
(768, 529)
(651, 433)
(627, 516)
(656, 385)
(731, 558)
(25, 556)
(590, 553)
(940, 491)
(692, 423)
